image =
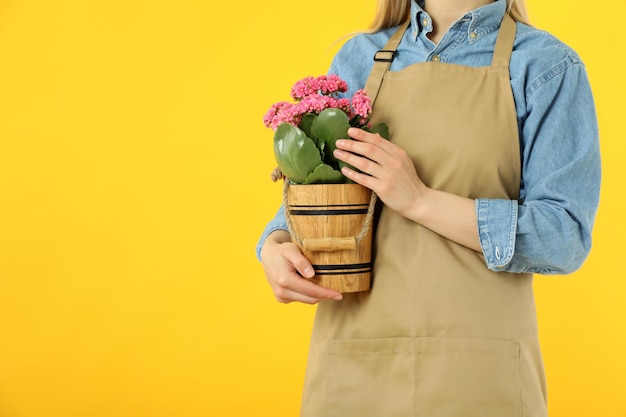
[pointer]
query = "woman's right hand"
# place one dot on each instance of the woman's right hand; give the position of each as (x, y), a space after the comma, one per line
(287, 270)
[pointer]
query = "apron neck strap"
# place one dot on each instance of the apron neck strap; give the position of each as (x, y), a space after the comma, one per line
(384, 57)
(504, 42)
(382, 61)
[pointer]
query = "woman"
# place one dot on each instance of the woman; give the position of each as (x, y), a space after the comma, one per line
(492, 174)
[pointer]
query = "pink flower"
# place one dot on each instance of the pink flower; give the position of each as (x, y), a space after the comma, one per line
(332, 83)
(271, 113)
(344, 104)
(314, 94)
(304, 87)
(361, 106)
(315, 103)
(325, 85)
(281, 112)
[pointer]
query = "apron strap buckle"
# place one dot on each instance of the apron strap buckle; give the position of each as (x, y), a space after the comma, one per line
(386, 55)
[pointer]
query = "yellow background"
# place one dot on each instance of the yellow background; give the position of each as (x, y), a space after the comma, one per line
(134, 183)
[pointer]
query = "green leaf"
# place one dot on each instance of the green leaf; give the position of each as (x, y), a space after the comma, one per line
(382, 129)
(296, 154)
(324, 174)
(356, 121)
(343, 164)
(305, 124)
(330, 125)
(321, 145)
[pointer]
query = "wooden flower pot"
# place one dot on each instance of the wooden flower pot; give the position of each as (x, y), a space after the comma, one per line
(332, 225)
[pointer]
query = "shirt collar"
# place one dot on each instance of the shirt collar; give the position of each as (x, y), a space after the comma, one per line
(481, 20)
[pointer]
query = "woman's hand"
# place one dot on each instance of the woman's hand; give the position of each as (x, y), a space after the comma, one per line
(287, 270)
(389, 171)
(386, 169)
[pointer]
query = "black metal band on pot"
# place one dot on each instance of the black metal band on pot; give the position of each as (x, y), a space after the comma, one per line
(328, 210)
(343, 269)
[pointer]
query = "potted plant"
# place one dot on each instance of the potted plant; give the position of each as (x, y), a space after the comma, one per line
(329, 217)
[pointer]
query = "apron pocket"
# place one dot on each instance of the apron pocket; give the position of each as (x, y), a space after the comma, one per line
(468, 377)
(371, 377)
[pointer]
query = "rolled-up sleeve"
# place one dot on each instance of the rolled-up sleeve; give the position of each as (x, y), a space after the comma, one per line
(497, 223)
(277, 223)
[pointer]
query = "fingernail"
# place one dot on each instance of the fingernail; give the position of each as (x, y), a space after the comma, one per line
(340, 142)
(308, 272)
(338, 297)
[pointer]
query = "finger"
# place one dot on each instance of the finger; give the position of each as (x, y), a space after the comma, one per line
(310, 289)
(303, 290)
(362, 164)
(366, 180)
(369, 137)
(294, 256)
(288, 296)
(367, 149)
(378, 150)
(297, 287)
(367, 145)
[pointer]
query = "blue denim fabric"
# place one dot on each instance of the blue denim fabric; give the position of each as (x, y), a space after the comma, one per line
(548, 231)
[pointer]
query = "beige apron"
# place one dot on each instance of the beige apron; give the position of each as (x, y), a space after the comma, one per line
(438, 335)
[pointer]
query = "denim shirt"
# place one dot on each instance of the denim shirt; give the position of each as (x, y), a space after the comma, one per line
(548, 230)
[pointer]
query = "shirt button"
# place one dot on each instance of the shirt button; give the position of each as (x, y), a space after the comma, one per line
(473, 35)
(425, 22)
(435, 58)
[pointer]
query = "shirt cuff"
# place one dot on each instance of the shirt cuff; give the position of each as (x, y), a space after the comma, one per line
(497, 224)
(278, 223)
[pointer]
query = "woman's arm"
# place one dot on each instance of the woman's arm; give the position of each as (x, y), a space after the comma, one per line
(549, 230)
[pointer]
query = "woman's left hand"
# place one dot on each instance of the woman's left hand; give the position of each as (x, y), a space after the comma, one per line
(386, 169)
